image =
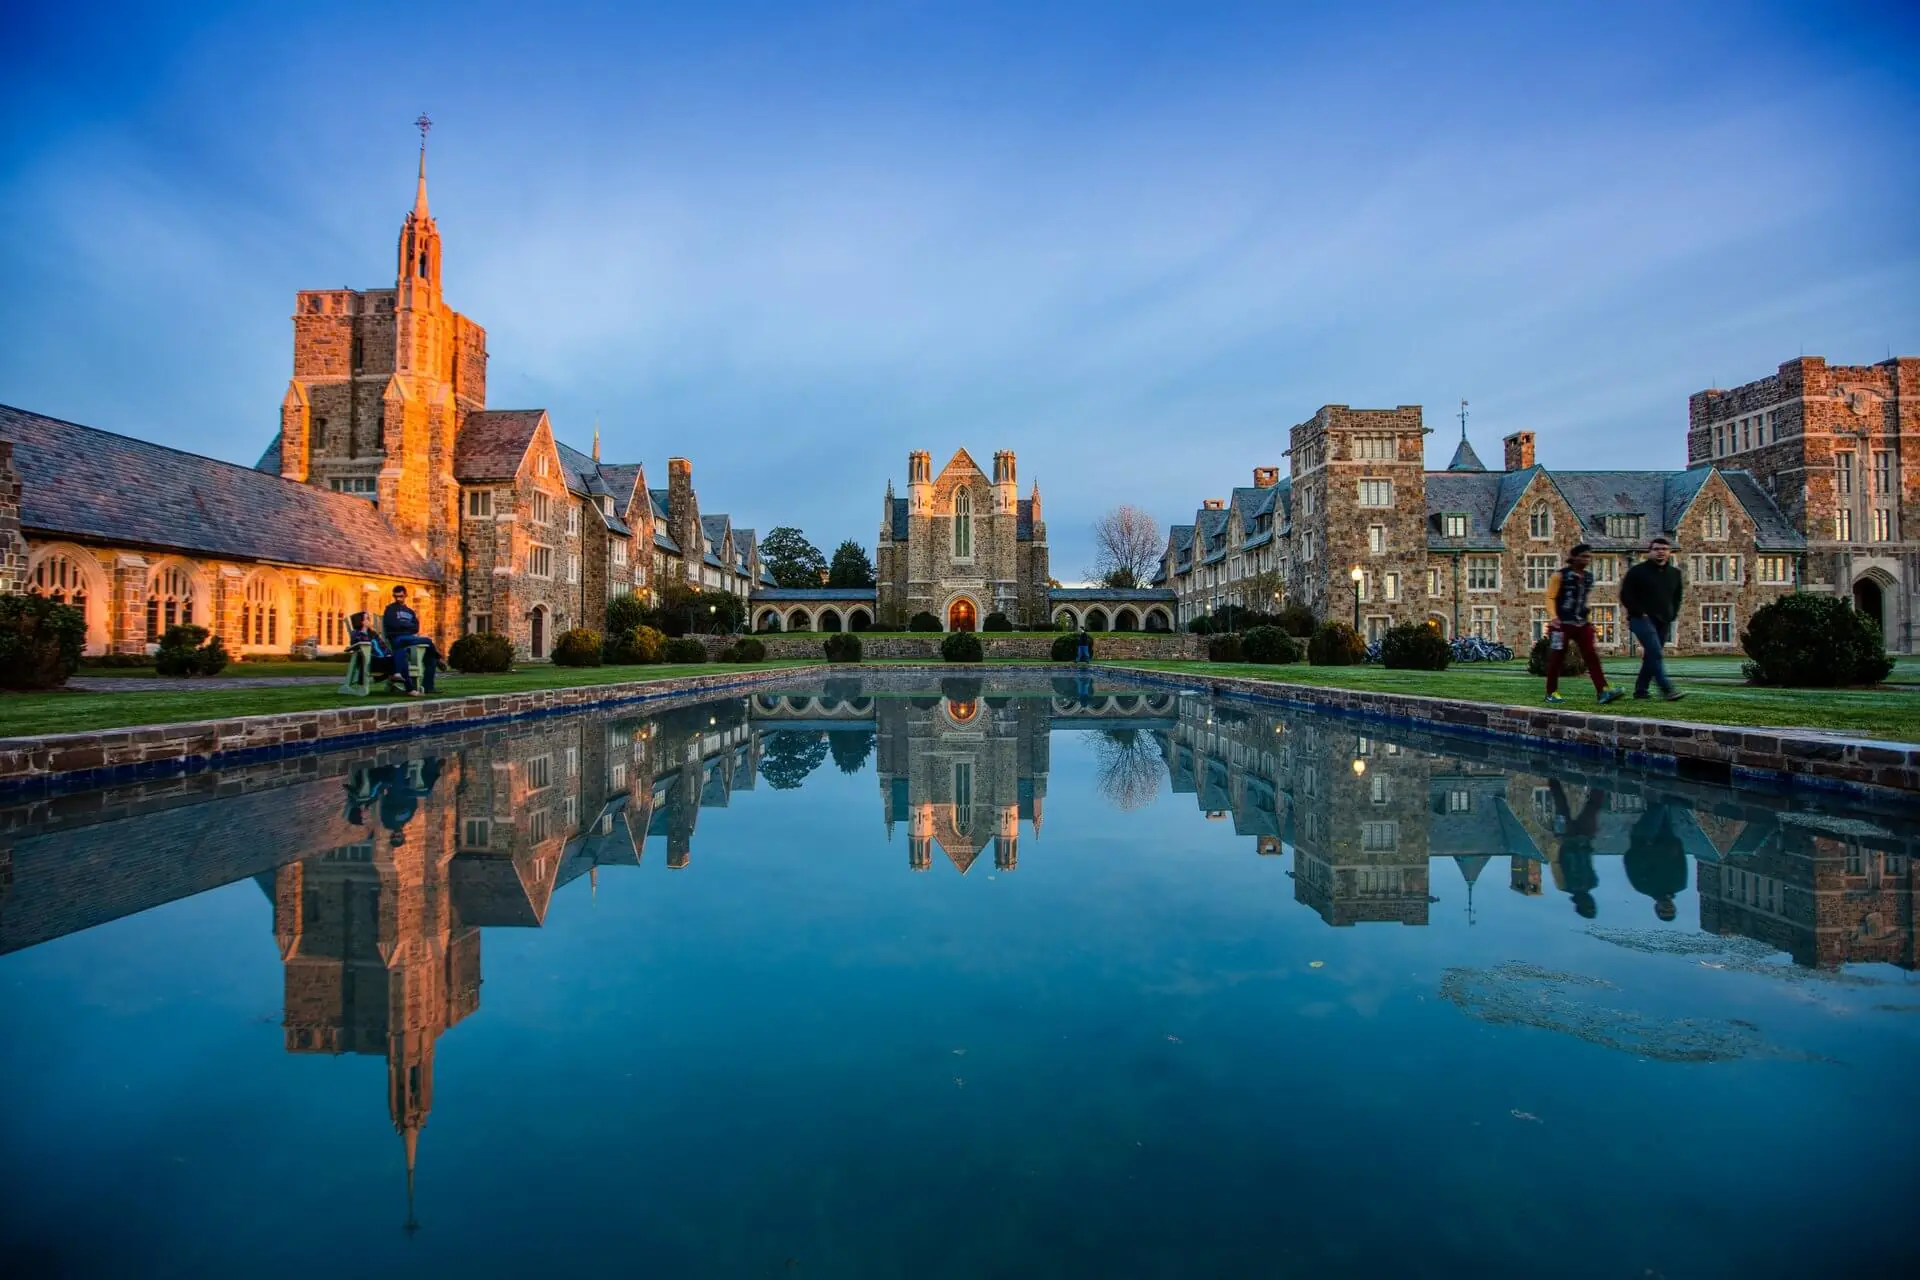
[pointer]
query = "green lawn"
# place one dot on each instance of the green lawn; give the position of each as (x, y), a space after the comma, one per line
(28, 714)
(322, 668)
(1714, 695)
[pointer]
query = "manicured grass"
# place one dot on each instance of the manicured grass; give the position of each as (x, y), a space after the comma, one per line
(322, 668)
(30, 714)
(1883, 712)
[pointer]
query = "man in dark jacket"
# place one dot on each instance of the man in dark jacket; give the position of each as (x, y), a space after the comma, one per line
(1650, 593)
(402, 626)
(1656, 863)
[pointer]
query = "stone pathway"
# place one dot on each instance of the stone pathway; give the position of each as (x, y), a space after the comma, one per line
(143, 684)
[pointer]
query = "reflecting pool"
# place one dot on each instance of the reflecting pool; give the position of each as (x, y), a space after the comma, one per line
(911, 976)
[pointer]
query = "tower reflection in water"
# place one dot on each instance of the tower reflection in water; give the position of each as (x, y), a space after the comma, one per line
(398, 866)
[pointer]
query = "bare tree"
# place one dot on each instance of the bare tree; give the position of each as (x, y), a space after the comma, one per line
(1130, 768)
(1127, 544)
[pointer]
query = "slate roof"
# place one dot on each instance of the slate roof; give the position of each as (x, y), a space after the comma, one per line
(1149, 594)
(664, 540)
(81, 482)
(899, 519)
(1475, 495)
(1022, 518)
(715, 529)
(658, 497)
(1465, 459)
(813, 593)
(270, 460)
(1771, 528)
(621, 478)
(493, 442)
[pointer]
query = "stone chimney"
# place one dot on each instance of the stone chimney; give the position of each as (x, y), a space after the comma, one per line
(683, 516)
(13, 544)
(1215, 504)
(1266, 477)
(1519, 450)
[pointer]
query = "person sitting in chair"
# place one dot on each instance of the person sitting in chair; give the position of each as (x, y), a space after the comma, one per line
(402, 626)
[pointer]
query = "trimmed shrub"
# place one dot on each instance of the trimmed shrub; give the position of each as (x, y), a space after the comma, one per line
(190, 651)
(1335, 644)
(842, 646)
(579, 647)
(1225, 647)
(745, 649)
(1813, 641)
(1064, 648)
(1295, 620)
(120, 660)
(923, 621)
(1199, 625)
(1574, 663)
(1269, 644)
(624, 613)
(481, 652)
(635, 646)
(962, 646)
(997, 621)
(40, 642)
(1415, 646)
(683, 649)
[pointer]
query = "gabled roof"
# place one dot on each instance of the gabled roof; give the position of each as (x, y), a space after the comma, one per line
(621, 479)
(658, 497)
(714, 528)
(1772, 530)
(81, 482)
(270, 460)
(1474, 494)
(1513, 486)
(493, 443)
(961, 458)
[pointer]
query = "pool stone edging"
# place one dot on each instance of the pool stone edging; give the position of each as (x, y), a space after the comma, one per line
(1807, 759)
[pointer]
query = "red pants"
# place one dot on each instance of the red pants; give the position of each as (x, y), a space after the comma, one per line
(1580, 633)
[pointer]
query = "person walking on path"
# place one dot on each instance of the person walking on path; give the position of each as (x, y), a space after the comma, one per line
(1650, 594)
(1567, 593)
(1083, 647)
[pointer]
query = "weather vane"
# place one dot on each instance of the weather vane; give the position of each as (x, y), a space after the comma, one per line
(1463, 403)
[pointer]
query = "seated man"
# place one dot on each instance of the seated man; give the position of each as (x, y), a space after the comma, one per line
(402, 626)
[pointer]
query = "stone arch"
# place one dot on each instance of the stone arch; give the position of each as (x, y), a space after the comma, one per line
(859, 620)
(1096, 619)
(799, 620)
(1158, 619)
(176, 596)
(1064, 616)
(827, 620)
(769, 620)
(1874, 595)
(67, 574)
(333, 606)
(1438, 621)
(961, 612)
(266, 613)
(539, 631)
(1126, 619)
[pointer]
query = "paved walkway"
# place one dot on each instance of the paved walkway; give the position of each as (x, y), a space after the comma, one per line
(155, 684)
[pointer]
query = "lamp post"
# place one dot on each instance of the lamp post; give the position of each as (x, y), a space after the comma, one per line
(712, 621)
(1359, 576)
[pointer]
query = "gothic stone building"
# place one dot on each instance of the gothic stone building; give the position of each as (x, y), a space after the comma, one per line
(1360, 525)
(961, 546)
(389, 468)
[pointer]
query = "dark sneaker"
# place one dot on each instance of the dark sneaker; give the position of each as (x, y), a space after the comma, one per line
(1675, 696)
(1608, 695)
(1640, 697)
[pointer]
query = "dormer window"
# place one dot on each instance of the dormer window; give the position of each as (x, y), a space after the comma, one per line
(1454, 525)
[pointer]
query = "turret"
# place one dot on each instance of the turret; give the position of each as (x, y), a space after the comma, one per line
(1006, 494)
(920, 483)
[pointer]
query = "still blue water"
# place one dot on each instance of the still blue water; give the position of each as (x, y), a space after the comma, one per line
(904, 980)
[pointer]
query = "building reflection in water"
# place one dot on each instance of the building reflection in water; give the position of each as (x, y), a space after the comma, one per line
(398, 866)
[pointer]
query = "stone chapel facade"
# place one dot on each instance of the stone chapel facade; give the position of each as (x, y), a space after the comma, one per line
(961, 546)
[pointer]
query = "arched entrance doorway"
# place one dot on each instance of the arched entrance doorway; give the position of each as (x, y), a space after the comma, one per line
(537, 632)
(960, 615)
(1871, 602)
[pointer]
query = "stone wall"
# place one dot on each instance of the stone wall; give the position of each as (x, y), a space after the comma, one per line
(1107, 645)
(13, 544)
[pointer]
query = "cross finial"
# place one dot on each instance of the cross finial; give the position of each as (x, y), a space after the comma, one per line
(423, 124)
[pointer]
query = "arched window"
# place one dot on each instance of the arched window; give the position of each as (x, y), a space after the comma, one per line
(170, 600)
(423, 264)
(60, 579)
(962, 796)
(332, 623)
(260, 613)
(1716, 521)
(963, 525)
(1540, 523)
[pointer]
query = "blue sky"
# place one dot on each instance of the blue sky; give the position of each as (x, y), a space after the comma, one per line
(1134, 242)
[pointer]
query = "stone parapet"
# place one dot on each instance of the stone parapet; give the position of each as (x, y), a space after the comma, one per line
(1123, 646)
(1804, 759)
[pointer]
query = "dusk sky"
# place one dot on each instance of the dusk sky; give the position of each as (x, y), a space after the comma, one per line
(1135, 243)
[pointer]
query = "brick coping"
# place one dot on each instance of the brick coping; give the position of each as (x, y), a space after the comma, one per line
(1800, 759)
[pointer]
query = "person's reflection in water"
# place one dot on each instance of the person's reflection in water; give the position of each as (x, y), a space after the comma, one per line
(1656, 860)
(1573, 872)
(397, 791)
(1083, 689)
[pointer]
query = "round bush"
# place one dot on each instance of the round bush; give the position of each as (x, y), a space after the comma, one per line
(579, 647)
(962, 646)
(624, 613)
(1573, 664)
(1065, 648)
(997, 621)
(684, 649)
(635, 646)
(1269, 644)
(842, 646)
(40, 642)
(1199, 626)
(1295, 620)
(923, 621)
(1225, 647)
(1335, 644)
(190, 651)
(481, 652)
(1811, 641)
(1415, 646)
(745, 649)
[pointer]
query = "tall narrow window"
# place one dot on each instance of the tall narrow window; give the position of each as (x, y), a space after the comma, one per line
(1540, 523)
(1882, 471)
(1843, 470)
(1716, 521)
(169, 601)
(963, 525)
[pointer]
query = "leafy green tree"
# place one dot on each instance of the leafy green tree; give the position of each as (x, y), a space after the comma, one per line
(788, 756)
(791, 559)
(850, 567)
(850, 747)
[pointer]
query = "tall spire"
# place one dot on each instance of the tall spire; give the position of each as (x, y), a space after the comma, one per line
(413, 1144)
(420, 192)
(596, 437)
